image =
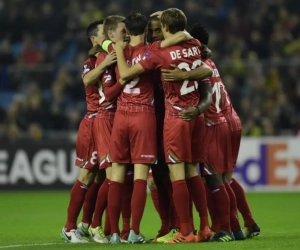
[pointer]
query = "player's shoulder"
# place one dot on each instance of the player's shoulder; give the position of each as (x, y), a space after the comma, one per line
(192, 42)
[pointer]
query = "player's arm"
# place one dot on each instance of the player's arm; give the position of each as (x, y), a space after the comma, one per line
(126, 72)
(111, 88)
(205, 91)
(92, 76)
(176, 38)
(177, 74)
(108, 46)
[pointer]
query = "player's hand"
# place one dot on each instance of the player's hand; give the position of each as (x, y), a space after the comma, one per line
(120, 45)
(173, 75)
(189, 114)
(110, 59)
(157, 13)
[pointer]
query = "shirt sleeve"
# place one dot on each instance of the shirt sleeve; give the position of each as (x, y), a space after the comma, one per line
(86, 68)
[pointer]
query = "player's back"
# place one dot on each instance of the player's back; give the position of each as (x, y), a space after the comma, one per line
(91, 91)
(138, 94)
(214, 113)
(223, 106)
(181, 95)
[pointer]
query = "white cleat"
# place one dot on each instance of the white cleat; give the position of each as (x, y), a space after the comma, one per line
(84, 231)
(72, 237)
(98, 235)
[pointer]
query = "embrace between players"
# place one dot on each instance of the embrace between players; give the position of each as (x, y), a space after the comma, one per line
(155, 115)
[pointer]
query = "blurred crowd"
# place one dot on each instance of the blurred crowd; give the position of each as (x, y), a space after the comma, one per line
(255, 44)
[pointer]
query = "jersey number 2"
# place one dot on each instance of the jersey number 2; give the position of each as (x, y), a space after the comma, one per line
(185, 89)
(130, 87)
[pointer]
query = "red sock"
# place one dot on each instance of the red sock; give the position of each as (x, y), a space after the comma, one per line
(138, 203)
(222, 206)
(126, 203)
(155, 199)
(89, 203)
(101, 204)
(191, 212)
(164, 211)
(107, 227)
(115, 205)
(242, 203)
(197, 192)
(181, 201)
(215, 226)
(77, 196)
(234, 219)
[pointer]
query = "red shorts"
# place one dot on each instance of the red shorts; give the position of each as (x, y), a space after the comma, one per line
(86, 153)
(184, 141)
(235, 144)
(218, 150)
(103, 126)
(133, 138)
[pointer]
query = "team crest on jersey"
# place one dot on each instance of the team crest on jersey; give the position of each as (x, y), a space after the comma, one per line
(147, 54)
(86, 68)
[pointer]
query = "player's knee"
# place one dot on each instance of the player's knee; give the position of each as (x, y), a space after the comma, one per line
(118, 172)
(86, 176)
(100, 176)
(191, 170)
(177, 171)
(228, 176)
(141, 171)
(151, 184)
(214, 180)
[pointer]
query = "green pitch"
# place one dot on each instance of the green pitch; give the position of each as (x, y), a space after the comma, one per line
(33, 220)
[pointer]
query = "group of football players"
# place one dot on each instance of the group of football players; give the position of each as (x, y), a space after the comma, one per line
(157, 113)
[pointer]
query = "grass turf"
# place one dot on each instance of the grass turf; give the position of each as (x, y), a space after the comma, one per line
(29, 218)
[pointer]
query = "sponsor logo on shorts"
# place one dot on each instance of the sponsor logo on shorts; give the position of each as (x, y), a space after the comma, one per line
(148, 156)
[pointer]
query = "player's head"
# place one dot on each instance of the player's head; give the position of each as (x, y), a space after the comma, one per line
(199, 32)
(114, 28)
(136, 24)
(172, 21)
(94, 32)
(154, 29)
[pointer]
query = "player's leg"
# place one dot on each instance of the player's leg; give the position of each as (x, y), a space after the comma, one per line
(195, 185)
(143, 150)
(251, 227)
(119, 155)
(86, 159)
(177, 136)
(198, 195)
(126, 202)
(89, 204)
(212, 170)
(160, 197)
(103, 128)
(234, 219)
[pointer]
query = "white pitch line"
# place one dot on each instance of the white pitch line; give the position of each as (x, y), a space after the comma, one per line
(29, 245)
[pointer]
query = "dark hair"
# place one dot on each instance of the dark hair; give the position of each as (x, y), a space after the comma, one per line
(199, 32)
(111, 23)
(136, 23)
(92, 29)
(174, 19)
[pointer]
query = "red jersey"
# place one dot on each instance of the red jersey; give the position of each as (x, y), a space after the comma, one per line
(138, 94)
(224, 105)
(91, 92)
(187, 56)
(214, 113)
(107, 78)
